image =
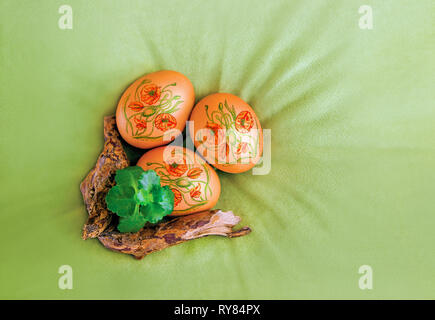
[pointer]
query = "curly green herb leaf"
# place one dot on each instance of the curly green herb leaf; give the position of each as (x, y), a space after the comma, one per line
(138, 198)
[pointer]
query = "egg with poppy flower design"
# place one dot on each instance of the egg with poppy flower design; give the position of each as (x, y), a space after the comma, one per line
(226, 132)
(154, 109)
(194, 183)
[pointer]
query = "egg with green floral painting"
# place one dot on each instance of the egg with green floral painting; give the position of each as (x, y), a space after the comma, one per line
(226, 132)
(154, 109)
(195, 184)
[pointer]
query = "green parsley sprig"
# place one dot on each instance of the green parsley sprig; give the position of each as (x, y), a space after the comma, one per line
(138, 198)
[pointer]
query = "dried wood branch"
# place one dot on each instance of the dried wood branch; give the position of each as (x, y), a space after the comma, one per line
(100, 179)
(173, 232)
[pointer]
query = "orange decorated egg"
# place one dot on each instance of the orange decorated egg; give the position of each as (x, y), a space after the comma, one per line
(195, 184)
(226, 132)
(154, 109)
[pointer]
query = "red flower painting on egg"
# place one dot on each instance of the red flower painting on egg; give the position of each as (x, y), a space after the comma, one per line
(224, 153)
(217, 131)
(195, 193)
(177, 196)
(244, 122)
(176, 169)
(242, 147)
(141, 124)
(165, 121)
(136, 106)
(150, 94)
(194, 173)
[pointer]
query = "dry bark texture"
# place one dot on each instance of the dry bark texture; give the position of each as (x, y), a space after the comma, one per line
(100, 179)
(153, 238)
(175, 231)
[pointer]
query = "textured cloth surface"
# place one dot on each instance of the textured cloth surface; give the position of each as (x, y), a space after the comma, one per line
(353, 155)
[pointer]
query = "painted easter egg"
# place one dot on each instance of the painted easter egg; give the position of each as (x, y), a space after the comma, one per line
(226, 132)
(195, 184)
(154, 109)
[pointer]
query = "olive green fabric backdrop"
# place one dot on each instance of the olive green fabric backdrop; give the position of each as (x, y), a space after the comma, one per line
(353, 155)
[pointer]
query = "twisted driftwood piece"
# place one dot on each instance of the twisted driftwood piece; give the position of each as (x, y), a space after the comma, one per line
(175, 231)
(100, 179)
(153, 238)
